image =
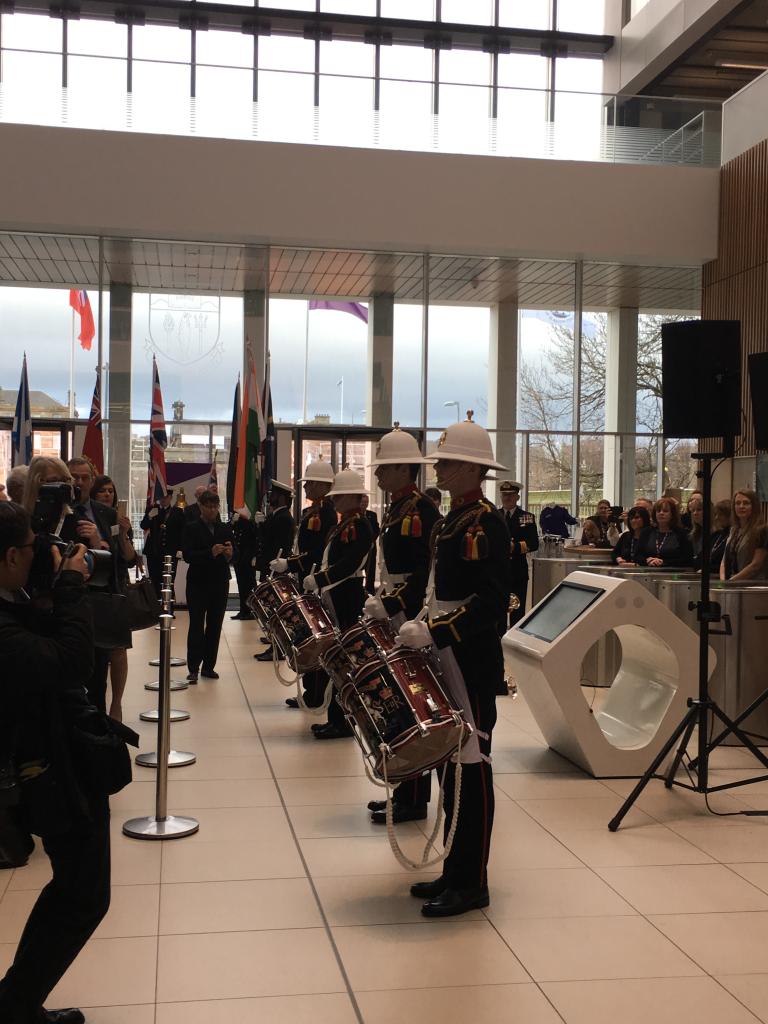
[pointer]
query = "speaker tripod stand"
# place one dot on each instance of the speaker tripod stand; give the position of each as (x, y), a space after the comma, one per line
(702, 710)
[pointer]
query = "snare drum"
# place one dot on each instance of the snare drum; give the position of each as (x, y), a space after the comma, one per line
(303, 631)
(268, 597)
(367, 640)
(398, 700)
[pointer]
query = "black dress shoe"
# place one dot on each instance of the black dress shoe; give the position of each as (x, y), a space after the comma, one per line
(236, 617)
(70, 1016)
(192, 678)
(400, 813)
(331, 732)
(318, 726)
(377, 805)
(428, 890)
(291, 702)
(263, 639)
(209, 673)
(451, 902)
(269, 655)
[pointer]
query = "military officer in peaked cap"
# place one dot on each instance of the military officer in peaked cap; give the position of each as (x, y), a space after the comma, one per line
(404, 570)
(524, 537)
(466, 598)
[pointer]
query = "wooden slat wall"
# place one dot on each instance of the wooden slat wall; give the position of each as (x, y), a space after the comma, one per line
(735, 285)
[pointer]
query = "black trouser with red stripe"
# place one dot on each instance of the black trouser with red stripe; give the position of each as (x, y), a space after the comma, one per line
(413, 792)
(466, 865)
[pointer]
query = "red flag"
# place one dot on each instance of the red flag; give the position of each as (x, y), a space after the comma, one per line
(79, 301)
(93, 445)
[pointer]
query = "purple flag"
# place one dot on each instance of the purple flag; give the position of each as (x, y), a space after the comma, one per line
(355, 308)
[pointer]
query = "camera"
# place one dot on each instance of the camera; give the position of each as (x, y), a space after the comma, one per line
(53, 504)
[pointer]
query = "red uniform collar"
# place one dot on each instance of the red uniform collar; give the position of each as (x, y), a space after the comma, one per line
(466, 499)
(411, 488)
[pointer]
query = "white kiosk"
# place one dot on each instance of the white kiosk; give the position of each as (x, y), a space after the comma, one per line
(657, 675)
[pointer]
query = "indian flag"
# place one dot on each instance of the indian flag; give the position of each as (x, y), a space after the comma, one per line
(252, 430)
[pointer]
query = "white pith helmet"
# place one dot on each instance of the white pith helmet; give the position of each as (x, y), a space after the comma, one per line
(398, 446)
(319, 470)
(465, 442)
(347, 481)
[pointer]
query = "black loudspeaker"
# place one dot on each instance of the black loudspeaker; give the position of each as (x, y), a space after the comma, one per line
(701, 378)
(758, 389)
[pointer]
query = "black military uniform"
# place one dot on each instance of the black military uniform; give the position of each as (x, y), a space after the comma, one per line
(470, 549)
(317, 521)
(349, 544)
(245, 533)
(208, 579)
(277, 533)
(524, 537)
(165, 533)
(405, 533)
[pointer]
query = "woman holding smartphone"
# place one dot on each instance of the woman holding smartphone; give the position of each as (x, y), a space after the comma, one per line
(104, 491)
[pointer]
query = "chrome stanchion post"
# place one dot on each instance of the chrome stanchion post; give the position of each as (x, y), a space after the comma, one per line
(175, 684)
(161, 825)
(174, 758)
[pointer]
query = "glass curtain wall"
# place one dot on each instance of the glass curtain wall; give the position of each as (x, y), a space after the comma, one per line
(561, 362)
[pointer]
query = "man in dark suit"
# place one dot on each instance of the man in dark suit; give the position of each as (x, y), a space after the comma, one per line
(370, 565)
(164, 524)
(208, 548)
(524, 537)
(246, 536)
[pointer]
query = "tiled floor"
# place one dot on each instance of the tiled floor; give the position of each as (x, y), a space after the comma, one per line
(288, 906)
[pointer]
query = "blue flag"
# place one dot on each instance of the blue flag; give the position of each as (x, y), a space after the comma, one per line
(21, 437)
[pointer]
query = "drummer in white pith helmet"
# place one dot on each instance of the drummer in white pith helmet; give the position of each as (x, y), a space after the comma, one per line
(466, 598)
(317, 521)
(339, 579)
(403, 570)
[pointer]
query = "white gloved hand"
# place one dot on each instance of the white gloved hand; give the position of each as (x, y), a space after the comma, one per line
(374, 608)
(310, 584)
(415, 634)
(243, 512)
(259, 517)
(279, 565)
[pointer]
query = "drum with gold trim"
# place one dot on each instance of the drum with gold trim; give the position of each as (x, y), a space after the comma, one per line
(265, 599)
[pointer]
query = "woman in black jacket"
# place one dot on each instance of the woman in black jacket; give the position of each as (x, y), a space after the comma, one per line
(667, 544)
(626, 549)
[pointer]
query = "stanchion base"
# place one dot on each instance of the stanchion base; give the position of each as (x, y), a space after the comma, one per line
(176, 684)
(176, 759)
(172, 827)
(175, 662)
(176, 716)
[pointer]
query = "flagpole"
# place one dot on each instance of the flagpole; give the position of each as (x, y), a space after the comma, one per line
(306, 363)
(72, 370)
(341, 401)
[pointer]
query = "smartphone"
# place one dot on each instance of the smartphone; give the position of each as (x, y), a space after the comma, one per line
(617, 511)
(122, 506)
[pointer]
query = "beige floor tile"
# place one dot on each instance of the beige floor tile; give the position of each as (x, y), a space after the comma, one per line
(549, 786)
(684, 889)
(591, 948)
(224, 723)
(248, 824)
(133, 863)
(207, 860)
(311, 792)
(210, 767)
(240, 906)
(356, 856)
(302, 757)
(750, 989)
(314, 1009)
(224, 746)
(580, 813)
(234, 965)
(675, 805)
(730, 843)
(536, 758)
(223, 793)
(524, 844)
(572, 892)
(649, 844)
(405, 956)
(110, 972)
(720, 943)
(283, 721)
(144, 1014)
(661, 1000)
(491, 1004)
(375, 899)
(757, 874)
(331, 821)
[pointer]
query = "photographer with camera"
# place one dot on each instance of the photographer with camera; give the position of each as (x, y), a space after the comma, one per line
(47, 656)
(59, 504)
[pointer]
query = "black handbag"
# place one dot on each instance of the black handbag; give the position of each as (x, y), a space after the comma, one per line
(143, 606)
(110, 619)
(99, 747)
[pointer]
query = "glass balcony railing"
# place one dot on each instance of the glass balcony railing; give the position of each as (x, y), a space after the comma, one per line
(528, 122)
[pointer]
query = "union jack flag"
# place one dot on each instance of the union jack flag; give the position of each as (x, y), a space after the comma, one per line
(158, 442)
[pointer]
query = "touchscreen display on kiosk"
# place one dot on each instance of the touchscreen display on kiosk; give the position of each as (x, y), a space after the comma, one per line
(556, 613)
